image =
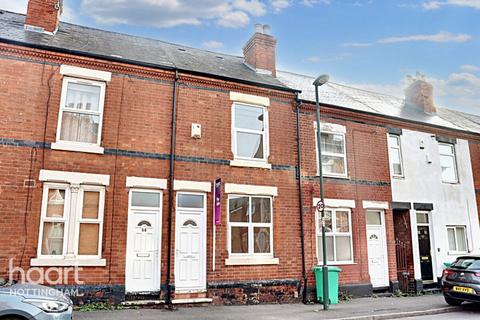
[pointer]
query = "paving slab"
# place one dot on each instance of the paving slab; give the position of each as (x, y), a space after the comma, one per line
(363, 308)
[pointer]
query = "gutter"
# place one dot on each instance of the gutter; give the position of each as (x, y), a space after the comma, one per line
(170, 192)
(145, 64)
(300, 199)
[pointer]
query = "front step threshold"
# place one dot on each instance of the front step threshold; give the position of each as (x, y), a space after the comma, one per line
(192, 301)
(141, 303)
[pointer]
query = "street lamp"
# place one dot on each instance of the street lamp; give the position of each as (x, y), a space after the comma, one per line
(321, 80)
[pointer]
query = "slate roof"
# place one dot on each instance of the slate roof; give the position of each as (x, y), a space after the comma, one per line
(367, 101)
(134, 49)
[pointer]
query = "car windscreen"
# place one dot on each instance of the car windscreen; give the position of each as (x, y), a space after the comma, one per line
(467, 264)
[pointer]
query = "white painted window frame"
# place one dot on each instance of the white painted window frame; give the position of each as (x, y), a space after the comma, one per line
(67, 215)
(250, 225)
(74, 145)
(334, 234)
(247, 161)
(44, 218)
(324, 153)
(80, 220)
(399, 150)
(451, 155)
(454, 228)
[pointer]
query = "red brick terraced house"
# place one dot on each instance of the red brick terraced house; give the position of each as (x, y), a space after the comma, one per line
(111, 147)
(404, 172)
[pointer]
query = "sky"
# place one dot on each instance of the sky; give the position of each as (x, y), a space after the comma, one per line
(371, 44)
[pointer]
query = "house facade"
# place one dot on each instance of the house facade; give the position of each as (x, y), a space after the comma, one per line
(419, 209)
(189, 176)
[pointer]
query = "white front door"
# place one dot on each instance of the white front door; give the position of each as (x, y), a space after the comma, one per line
(142, 266)
(190, 242)
(377, 249)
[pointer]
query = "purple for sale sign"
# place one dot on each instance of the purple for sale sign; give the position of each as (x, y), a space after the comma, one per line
(218, 200)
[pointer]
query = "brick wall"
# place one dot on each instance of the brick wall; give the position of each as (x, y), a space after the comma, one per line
(368, 179)
(137, 117)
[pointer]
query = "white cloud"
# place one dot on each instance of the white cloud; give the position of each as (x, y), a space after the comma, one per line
(254, 7)
(19, 6)
(234, 19)
(437, 37)
(171, 13)
(279, 5)
(433, 5)
(311, 3)
(440, 37)
(470, 68)
(212, 44)
(355, 44)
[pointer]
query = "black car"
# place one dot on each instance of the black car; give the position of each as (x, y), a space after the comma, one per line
(461, 281)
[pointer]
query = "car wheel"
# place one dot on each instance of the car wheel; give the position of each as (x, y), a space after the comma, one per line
(453, 302)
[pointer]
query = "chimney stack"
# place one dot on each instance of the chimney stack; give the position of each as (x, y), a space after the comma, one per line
(420, 95)
(43, 15)
(259, 51)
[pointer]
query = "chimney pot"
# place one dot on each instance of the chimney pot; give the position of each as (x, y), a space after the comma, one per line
(43, 15)
(259, 51)
(420, 95)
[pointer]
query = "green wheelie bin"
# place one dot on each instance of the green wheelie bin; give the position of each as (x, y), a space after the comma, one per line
(332, 283)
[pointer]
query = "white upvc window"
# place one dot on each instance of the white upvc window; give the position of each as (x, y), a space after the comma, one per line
(395, 155)
(457, 239)
(80, 115)
(334, 153)
(448, 162)
(250, 226)
(71, 222)
(250, 132)
(338, 233)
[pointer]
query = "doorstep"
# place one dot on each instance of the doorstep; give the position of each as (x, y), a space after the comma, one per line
(192, 300)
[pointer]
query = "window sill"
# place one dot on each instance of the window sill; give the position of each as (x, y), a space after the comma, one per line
(66, 146)
(457, 253)
(332, 176)
(250, 261)
(451, 182)
(250, 163)
(59, 262)
(333, 264)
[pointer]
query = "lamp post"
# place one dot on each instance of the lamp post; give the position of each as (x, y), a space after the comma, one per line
(321, 80)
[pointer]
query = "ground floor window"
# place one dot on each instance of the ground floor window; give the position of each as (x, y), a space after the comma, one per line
(457, 239)
(71, 221)
(250, 225)
(338, 236)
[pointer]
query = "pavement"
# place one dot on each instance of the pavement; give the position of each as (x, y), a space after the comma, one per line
(363, 308)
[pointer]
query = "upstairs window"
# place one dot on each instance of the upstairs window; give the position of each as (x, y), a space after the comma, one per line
(395, 155)
(250, 132)
(448, 162)
(81, 111)
(334, 153)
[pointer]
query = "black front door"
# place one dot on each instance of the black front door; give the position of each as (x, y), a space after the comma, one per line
(425, 253)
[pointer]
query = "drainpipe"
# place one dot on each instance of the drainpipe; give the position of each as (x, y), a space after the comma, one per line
(300, 199)
(170, 192)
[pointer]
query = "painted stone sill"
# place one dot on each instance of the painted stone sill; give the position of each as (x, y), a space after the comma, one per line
(46, 262)
(330, 176)
(250, 261)
(330, 264)
(66, 146)
(250, 163)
